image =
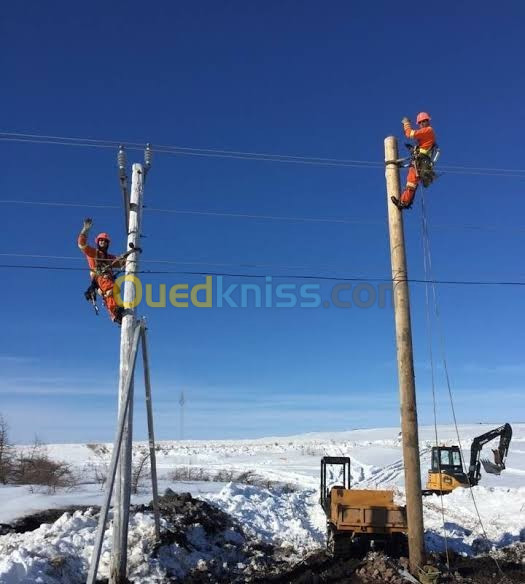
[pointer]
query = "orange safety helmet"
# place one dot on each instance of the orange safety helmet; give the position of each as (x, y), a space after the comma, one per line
(102, 236)
(422, 116)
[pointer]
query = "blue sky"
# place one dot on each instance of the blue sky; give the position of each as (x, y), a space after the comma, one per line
(302, 78)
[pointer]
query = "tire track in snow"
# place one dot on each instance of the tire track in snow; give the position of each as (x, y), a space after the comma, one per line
(386, 475)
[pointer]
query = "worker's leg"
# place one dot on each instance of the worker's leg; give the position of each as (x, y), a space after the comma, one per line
(106, 288)
(410, 190)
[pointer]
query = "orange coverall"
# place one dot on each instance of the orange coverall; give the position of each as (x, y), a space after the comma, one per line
(425, 139)
(99, 269)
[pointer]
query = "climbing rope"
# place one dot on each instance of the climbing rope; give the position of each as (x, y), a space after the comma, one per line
(428, 266)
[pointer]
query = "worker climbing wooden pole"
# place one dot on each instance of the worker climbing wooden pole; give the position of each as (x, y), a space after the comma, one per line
(405, 362)
(423, 155)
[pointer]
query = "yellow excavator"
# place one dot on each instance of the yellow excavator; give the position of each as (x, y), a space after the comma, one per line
(446, 472)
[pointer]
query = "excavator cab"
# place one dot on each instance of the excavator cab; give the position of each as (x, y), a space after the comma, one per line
(446, 458)
(446, 471)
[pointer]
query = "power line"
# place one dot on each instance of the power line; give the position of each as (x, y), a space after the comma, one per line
(181, 150)
(140, 146)
(214, 264)
(283, 276)
(227, 214)
(57, 204)
(187, 262)
(205, 212)
(178, 149)
(236, 154)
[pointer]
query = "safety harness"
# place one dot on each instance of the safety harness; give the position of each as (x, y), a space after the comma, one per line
(104, 267)
(423, 161)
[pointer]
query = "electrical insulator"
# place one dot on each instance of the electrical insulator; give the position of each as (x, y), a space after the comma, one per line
(121, 159)
(148, 156)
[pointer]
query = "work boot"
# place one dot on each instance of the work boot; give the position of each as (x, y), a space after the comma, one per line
(117, 317)
(399, 204)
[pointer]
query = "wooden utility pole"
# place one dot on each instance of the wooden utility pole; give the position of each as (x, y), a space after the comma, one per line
(123, 487)
(405, 362)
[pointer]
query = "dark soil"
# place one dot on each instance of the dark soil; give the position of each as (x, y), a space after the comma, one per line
(377, 568)
(34, 521)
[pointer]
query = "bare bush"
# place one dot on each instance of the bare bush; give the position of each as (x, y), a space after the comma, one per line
(224, 475)
(191, 473)
(97, 472)
(140, 470)
(99, 469)
(247, 477)
(100, 450)
(34, 467)
(6, 452)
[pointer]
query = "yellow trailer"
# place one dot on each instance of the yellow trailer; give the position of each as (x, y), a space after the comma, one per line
(360, 518)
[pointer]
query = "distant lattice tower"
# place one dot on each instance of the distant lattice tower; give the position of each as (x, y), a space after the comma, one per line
(182, 402)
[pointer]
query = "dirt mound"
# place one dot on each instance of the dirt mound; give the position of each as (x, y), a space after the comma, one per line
(34, 521)
(227, 554)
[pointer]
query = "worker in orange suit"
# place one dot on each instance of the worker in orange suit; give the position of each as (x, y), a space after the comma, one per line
(101, 264)
(421, 164)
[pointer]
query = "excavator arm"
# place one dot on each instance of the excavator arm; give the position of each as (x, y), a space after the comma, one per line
(500, 453)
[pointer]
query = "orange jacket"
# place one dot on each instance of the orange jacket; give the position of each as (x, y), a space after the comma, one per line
(424, 137)
(100, 263)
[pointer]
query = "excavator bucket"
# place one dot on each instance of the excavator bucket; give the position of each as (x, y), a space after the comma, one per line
(493, 467)
(490, 467)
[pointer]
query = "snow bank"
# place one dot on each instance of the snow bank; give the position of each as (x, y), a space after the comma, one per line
(502, 514)
(290, 519)
(60, 552)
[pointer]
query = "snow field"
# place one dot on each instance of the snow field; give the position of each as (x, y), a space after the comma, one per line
(293, 519)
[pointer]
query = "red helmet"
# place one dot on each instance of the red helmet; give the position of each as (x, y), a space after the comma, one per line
(422, 116)
(102, 236)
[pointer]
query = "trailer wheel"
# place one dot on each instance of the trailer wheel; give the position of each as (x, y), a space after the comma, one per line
(342, 546)
(397, 545)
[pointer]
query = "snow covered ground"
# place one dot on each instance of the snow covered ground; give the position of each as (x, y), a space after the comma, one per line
(289, 515)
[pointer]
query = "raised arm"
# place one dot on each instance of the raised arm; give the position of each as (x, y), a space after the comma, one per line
(83, 238)
(407, 128)
(422, 134)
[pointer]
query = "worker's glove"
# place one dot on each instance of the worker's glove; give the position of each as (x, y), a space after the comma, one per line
(405, 120)
(88, 222)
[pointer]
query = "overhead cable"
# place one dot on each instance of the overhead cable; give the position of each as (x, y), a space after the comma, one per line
(244, 155)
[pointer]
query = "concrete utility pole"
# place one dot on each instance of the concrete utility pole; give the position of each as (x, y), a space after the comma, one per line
(123, 487)
(405, 362)
(151, 434)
